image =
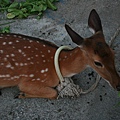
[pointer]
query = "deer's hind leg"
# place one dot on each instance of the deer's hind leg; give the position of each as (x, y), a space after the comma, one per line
(37, 91)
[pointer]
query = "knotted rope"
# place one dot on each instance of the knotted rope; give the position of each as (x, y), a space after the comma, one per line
(66, 86)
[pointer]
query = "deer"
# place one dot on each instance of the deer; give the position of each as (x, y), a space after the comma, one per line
(28, 62)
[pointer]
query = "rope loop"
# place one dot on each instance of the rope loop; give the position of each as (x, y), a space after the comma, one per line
(63, 80)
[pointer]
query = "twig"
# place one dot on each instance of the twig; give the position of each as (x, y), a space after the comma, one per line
(114, 37)
(7, 23)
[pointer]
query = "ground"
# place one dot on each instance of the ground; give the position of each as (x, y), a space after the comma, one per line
(101, 104)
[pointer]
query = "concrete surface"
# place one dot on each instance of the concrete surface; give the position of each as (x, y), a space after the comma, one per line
(97, 105)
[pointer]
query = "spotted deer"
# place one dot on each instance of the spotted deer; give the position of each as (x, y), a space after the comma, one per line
(28, 62)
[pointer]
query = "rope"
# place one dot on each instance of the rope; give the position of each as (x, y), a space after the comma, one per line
(66, 84)
(57, 68)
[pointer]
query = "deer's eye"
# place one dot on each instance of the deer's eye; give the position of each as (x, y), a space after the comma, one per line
(98, 64)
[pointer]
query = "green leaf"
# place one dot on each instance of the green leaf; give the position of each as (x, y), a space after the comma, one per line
(11, 9)
(25, 8)
(10, 15)
(51, 6)
(42, 7)
(5, 29)
(4, 3)
(14, 5)
(119, 93)
(36, 8)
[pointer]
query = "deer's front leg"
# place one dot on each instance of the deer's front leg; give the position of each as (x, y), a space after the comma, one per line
(35, 90)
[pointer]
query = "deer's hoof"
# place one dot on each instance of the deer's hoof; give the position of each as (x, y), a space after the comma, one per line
(20, 95)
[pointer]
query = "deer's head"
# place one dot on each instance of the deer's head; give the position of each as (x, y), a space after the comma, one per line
(99, 55)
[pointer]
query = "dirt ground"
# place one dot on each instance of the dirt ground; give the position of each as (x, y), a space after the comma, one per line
(97, 105)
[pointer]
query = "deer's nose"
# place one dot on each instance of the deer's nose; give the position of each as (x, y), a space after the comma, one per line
(118, 88)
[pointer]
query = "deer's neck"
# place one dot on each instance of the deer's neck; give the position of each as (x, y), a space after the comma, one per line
(72, 62)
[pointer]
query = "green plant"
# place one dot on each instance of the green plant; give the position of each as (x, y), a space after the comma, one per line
(118, 104)
(5, 29)
(24, 9)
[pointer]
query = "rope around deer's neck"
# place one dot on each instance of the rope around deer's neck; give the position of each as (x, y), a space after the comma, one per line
(57, 68)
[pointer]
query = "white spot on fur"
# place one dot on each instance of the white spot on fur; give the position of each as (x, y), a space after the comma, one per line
(7, 56)
(26, 75)
(10, 43)
(24, 54)
(30, 41)
(38, 79)
(25, 64)
(29, 46)
(20, 36)
(46, 69)
(5, 59)
(1, 63)
(21, 64)
(12, 67)
(44, 61)
(13, 59)
(44, 45)
(1, 76)
(43, 55)
(42, 71)
(16, 64)
(1, 51)
(16, 77)
(19, 50)
(33, 80)
(49, 51)
(8, 66)
(7, 75)
(65, 57)
(12, 55)
(17, 41)
(4, 43)
(31, 75)
(28, 58)
(31, 63)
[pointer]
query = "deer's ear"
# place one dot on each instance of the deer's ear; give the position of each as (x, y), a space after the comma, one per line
(94, 21)
(74, 36)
